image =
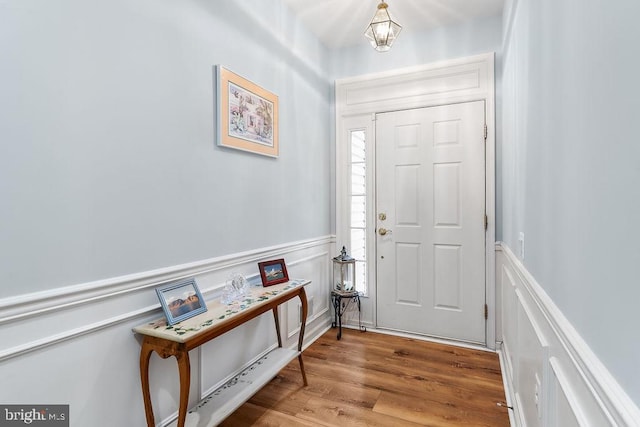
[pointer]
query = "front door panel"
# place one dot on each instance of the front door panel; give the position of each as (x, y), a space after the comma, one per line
(430, 186)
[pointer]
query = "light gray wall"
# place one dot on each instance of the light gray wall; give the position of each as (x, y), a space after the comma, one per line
(108, 164)
(570, 169)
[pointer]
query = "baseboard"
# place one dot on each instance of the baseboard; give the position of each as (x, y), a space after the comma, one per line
(506, 382)
(546, 360)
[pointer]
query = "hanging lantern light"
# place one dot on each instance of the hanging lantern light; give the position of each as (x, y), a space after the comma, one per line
(382, 31)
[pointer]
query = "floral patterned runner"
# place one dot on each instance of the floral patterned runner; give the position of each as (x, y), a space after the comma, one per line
(216, 313)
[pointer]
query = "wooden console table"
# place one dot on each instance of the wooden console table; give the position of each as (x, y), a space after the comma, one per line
(179, 339)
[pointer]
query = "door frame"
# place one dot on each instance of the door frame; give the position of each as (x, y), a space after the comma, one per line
(359, 99)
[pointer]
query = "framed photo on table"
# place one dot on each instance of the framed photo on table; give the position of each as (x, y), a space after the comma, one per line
(181, 300)
(247, 115)
(273, 272)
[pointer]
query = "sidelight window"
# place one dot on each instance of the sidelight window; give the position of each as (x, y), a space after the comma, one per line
(358, 206)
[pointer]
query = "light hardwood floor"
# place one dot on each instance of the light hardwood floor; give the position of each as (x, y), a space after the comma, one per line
(371, 379)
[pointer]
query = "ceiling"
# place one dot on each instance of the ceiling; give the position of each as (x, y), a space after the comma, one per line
(341, 23)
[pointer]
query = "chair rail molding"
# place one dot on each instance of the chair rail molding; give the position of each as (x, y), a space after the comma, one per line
(37, 303)
(87, 308)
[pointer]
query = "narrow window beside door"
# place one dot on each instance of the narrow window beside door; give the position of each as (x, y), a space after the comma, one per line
(358, 196)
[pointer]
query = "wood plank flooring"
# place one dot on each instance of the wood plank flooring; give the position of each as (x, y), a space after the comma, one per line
(371, 379)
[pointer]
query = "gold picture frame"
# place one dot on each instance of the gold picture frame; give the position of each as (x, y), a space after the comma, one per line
(247, 115)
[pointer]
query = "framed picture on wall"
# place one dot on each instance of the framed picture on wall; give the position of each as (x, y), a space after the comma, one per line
(181, 300)
(247, 115)
(273, 272)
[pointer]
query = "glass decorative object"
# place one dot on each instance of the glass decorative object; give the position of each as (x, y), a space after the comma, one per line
(344, 272)
(235, 289)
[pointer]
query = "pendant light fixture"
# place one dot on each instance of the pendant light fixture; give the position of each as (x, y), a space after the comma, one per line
(382, 31)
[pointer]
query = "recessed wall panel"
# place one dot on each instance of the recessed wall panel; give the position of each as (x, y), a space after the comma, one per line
(562, 412)
(407, 195)
(408, 276)
(446, 194)
(447, 268)
(406, 136)
(446, 133)
(427, 83)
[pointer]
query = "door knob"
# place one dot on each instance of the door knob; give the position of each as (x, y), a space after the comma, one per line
(383, 231)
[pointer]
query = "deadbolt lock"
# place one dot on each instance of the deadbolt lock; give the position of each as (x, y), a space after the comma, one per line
(382, 216)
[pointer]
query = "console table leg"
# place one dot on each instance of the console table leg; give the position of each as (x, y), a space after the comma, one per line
(145, 355)
(275, 317)
(184, 368)
(303, 301)
(304, 374)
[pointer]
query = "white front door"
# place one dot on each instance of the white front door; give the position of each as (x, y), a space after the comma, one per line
(430, 197)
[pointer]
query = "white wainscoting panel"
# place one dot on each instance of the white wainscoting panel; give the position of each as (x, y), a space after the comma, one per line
(554, 378)
(75, 345)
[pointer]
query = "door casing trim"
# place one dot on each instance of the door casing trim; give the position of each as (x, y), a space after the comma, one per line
(441, 83)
